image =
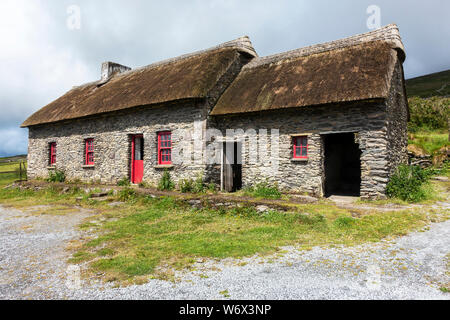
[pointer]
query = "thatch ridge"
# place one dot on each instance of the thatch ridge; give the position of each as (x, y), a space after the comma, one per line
(351, 73)
(189, 76)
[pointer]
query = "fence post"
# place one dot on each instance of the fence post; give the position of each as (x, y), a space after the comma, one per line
(20, 171)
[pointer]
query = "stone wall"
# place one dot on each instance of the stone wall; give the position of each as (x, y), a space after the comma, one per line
(397, 124)
(368, 120)
(112, 140)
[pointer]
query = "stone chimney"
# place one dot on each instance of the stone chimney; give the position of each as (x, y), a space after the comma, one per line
(110, 69)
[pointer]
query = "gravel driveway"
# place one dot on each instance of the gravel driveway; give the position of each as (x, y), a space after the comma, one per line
(33, 255)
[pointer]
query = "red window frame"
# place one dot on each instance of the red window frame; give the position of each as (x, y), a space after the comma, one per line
(89, 152)
(165, 147)
(300, 143)
(52, 153)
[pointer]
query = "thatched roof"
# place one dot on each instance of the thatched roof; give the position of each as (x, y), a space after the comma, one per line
(190, 76)
(352, 69)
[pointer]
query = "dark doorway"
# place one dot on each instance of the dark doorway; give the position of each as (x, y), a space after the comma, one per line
(342, 165)
(232, 166)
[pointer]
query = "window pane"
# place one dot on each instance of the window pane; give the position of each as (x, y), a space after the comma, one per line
(297, 152)
(138, 148)
(303, 141)
(304, 152)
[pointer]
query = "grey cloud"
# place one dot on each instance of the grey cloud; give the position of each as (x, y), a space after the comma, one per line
(44, 58)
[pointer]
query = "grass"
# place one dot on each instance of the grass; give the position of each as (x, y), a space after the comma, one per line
(151, 237)
(7, 178)
(430, 141)
(436, 84)
(262, 190)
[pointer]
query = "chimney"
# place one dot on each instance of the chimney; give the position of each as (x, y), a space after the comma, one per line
(110, 69)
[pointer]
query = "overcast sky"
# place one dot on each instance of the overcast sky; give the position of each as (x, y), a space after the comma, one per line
(43, 52)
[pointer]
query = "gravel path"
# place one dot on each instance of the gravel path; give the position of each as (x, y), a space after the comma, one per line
(32, 255)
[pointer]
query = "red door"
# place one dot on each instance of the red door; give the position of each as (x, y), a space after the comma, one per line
(137, 159)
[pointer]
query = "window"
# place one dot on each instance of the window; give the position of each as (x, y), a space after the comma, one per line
(165, 147)
(89, 152)
(300, 147)
(52, 153)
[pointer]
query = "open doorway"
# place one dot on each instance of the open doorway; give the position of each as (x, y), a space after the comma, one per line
(231, 166)
(342, 165)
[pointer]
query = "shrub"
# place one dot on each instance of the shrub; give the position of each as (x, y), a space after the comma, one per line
(56, 176)
(431, 114)
(344, 222)
(166, 182)
(186, 185)
(407, 183)
(211, 187)
(127, 194)
(144, 185)
(199, 186)
(124, 182)
(264, 190)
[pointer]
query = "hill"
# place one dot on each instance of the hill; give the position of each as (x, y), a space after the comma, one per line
(13, 159)
(435, 84)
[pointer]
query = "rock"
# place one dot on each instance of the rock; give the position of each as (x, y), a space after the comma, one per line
(439, 178)
(115, 204)
(262, 208)
(304, 198)
(417, 151)
(99, 195)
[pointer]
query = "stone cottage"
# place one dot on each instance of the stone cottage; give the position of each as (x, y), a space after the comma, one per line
(325, 119)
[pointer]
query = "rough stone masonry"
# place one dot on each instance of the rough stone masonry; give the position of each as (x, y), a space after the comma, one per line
(353, 85)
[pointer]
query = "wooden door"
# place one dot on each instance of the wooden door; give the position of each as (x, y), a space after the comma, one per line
(232, 166)
(137, 159)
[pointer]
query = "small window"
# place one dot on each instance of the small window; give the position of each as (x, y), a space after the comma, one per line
(165, 147)
(52, 153)
(89, 152)
(300, 147)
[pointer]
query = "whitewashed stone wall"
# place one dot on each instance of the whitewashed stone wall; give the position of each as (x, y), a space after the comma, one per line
(308, 176)
(112, 136)
(381, 127)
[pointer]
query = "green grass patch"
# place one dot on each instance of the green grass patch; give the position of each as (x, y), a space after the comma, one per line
(430, 141)
(263, 190)
(148, 236)
(163, 233)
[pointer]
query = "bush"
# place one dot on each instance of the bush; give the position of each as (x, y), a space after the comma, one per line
(186, 185)
(166, 182)
(211, 187)
(144, 185)
(124, 182)
(344, 222)
(264, 190)
(199, 186)
(56, 176)
(127, 194)
(431, 114)
(407, 183)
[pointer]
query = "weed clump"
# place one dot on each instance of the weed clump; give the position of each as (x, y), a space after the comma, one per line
(127, 194)
(124, 182)
(264, 190)
(166, 183)
(56, 176)
(408, 183)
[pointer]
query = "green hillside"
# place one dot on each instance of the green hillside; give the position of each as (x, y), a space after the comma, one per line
(435, 84)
